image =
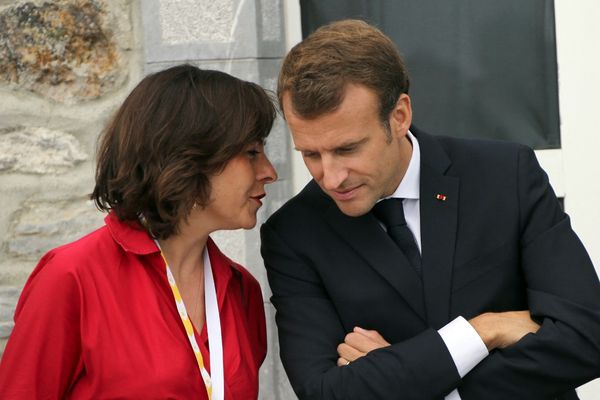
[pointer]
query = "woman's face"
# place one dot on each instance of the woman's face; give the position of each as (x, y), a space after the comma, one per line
(236, 192)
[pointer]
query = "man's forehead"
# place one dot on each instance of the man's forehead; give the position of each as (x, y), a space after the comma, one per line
(327, 142)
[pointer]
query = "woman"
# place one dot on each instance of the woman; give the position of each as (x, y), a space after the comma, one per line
(147, 306)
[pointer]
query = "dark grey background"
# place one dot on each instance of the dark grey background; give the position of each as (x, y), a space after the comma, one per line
(478, 68)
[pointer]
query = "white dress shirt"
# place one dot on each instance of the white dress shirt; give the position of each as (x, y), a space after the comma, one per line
(464, 344)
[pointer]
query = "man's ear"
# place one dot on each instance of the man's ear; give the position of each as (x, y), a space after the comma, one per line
(401, 116)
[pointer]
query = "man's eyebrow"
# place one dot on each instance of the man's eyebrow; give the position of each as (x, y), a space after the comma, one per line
(339, 146)
(352, 143)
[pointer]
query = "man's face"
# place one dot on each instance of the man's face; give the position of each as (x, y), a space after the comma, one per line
(348, 151)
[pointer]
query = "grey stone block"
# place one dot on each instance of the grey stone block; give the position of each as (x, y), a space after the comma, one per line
(9, 295)
(270, 24)
(65, 51)
(211, 29)
(39, 150)
(5, 329)
(14, 271)
(2, 346)
(41, 226)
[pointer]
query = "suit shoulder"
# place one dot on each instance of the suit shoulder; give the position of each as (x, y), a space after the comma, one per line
(305, 206)
(479, 146)
(489, 154)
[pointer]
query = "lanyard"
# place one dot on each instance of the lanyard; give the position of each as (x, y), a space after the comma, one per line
(214, 386)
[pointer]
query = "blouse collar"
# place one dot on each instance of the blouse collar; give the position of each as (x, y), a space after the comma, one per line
(133, 238)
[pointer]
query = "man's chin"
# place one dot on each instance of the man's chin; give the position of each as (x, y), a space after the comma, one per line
(353, 208)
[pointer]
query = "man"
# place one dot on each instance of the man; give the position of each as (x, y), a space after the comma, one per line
(368, 308)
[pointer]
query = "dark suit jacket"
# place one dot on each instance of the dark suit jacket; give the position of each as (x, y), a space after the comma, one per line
(499, 242)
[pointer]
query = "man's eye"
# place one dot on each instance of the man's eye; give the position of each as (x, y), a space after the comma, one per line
(252, 152)
(346, 150)
(309, 154)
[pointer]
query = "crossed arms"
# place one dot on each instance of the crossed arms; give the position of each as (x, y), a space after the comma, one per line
(562, 293)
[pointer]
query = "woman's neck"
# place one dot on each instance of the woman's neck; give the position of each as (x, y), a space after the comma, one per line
(183, 251)
(184, 255)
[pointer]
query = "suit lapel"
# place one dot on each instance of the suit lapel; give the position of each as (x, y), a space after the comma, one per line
(371, 242)
(438, 228)
(429, 297)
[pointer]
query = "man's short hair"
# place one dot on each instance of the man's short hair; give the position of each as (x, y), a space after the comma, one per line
(316, 71)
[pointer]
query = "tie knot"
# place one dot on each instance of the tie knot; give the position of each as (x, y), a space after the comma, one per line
(390, 212)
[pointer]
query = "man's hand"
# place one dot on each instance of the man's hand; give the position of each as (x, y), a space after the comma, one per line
(497, 330)
(357, 344)
(500, 330)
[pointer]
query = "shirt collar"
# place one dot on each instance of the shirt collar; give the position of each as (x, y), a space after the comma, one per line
(409, 186)
(130, 235)
(133, 238)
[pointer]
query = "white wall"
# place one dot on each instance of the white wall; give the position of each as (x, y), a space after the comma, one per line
(578, 46)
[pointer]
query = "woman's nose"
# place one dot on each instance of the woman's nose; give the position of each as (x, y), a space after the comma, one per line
(266, 171)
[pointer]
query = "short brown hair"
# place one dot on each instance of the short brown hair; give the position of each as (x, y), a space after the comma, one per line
(316, 71)
(176, 129)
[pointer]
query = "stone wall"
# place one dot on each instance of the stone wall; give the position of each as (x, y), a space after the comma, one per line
(65, 66)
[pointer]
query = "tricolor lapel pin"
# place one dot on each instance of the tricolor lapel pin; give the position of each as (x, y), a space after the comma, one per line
(440, 197)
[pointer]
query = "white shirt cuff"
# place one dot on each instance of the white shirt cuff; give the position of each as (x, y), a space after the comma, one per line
(464, 344)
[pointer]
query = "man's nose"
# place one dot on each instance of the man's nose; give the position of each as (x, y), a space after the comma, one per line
(334, 173)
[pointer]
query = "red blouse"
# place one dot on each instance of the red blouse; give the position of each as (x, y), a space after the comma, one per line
(97, 319)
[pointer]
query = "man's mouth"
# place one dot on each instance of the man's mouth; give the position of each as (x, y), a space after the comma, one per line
(344, 194)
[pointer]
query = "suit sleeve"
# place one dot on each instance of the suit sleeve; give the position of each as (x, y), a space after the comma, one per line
(563, 293)
(310, 331)
(42, 356)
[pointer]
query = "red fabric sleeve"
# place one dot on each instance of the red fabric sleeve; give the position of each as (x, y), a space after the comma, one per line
(257, 317)
(42, 356)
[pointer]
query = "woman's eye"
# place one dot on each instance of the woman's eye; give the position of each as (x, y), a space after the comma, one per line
(254, 150)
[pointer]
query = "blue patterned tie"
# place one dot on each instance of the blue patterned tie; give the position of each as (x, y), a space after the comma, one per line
(391, 213)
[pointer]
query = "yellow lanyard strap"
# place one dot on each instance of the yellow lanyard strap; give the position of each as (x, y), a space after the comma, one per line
(215, 386)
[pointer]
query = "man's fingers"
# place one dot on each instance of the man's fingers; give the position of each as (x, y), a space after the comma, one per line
(525, 317)
(373, 334)
(365, 342)
(348, 352)
(357, 344)
(342, 362)
(503, 329)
